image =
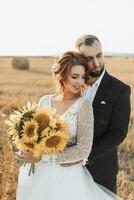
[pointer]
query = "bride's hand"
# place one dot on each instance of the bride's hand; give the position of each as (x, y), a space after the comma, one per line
(26, 156)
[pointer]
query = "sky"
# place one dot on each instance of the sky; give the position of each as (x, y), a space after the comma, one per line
(49, 27)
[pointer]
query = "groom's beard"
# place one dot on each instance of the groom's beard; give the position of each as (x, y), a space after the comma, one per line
(96, 74)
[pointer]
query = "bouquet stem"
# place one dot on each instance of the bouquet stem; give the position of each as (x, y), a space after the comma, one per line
(32, 167)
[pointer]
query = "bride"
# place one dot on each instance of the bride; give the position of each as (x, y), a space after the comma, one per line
(64, 176)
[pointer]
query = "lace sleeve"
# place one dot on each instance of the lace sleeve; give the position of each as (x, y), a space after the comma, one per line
(82, 149)
(44, 101)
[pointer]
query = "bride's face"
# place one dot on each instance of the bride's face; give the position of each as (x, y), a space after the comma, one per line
(75, 79)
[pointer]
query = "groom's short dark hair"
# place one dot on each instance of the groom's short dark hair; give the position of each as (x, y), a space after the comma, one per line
(86, 40)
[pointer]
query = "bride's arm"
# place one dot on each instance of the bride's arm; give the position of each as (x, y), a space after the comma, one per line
(80, 151)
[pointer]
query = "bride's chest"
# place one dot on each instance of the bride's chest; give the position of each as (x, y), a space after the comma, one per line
(70, 114)
(62, 108)
(71, 117)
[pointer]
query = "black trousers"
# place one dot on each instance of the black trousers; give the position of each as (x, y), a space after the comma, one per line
(104, 170)
(109, 184)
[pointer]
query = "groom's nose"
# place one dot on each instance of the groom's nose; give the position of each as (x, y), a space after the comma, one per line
(95, 62)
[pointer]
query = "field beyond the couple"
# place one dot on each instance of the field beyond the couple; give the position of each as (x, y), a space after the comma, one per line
(19, 86)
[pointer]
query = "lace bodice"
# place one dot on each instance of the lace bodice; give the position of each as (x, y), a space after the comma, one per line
(80, 119)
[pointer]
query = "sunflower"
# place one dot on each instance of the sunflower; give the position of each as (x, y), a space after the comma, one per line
(39, 148)
(55, 141)
(12, 130)
(18, 118)
(30, 132)
(42, 117)
(54, 118)
(27, 108)
(24, 146)
(45, 132)
(46, 118)
(61, 125)
(12, 122)
(53, 121)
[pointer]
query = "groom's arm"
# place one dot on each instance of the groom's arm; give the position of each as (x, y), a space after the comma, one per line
(117, 129)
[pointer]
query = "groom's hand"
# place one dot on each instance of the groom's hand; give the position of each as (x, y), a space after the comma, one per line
(90, 162)
(70, 164)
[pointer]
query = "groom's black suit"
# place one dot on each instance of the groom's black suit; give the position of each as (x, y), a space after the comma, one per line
(111, 107)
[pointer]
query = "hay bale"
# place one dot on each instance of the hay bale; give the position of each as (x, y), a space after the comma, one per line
(20, 63)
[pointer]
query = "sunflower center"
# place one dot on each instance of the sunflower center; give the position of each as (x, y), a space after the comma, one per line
(58, 126)
(30, 132)
(53, 141)
(43, 121)
(29, 145)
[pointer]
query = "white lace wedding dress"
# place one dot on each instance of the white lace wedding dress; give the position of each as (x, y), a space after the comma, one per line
(51, 181)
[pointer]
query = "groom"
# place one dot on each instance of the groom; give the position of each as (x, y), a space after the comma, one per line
(111, 104)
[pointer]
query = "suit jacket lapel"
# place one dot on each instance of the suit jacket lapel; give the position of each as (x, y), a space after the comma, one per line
(103, 87)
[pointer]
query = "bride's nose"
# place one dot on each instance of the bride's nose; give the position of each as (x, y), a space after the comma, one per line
(79, 81)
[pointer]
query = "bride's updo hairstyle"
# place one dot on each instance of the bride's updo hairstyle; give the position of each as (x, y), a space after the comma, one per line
(62, 67)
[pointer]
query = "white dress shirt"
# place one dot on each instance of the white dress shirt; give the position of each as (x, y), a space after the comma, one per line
(91, 90)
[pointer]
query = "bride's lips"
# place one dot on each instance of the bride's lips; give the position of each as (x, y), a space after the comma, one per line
(77, 88)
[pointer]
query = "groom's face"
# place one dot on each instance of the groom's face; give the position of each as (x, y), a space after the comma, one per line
(94, 55)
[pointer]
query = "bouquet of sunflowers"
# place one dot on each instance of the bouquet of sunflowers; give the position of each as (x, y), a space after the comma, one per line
(40, 131)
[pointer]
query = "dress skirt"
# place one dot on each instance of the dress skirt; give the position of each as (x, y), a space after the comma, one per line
(52, 181)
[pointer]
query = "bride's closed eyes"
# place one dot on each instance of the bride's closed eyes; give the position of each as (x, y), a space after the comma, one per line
(75, 76)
